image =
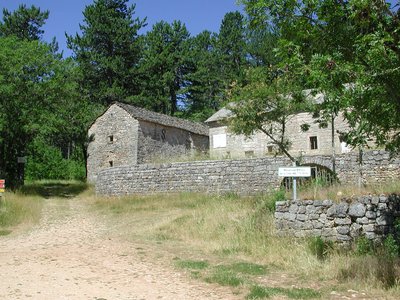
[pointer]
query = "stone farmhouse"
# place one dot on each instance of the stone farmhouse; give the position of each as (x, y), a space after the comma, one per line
(129, 135)
(315, 141)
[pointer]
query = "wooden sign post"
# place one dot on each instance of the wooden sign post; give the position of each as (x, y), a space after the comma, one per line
(294, 172)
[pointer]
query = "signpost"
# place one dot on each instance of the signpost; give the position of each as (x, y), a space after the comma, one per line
(294, 172)
(2, 186)
(2, 189)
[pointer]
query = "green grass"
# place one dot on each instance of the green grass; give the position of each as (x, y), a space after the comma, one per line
(245, 268)
(225, 277)
(49, 188)
(192, 264)
(261, 292)
(5, 232)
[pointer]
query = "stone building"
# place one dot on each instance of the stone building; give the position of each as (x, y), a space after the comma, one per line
(314, 141)
(128, 135)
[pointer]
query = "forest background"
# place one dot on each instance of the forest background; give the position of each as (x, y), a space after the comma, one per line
(349, 50)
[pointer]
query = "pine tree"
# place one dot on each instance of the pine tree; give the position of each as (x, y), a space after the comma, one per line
(108, 51)
(24, 23)
(164, 66)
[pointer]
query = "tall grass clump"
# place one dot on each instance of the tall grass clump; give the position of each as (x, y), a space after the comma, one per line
(16, 209)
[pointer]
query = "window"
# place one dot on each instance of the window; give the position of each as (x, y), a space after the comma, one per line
(313, 143)
(110, 138)
(219, 140)
(111, 163)
(249, 153)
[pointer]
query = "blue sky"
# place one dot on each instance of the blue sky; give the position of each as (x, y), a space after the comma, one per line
(65, 15)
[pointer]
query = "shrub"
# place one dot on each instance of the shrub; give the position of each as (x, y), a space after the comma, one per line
(364, 246)
(319, 247)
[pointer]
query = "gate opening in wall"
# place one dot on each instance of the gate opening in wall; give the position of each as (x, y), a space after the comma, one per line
(319, 175)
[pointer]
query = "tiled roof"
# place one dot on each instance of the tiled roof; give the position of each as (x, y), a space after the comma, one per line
(150, 116)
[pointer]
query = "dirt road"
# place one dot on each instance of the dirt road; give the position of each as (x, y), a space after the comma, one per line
(68, 256)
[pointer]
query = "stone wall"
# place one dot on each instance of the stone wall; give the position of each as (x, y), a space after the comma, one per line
(117, 138)
(247, 176)
(369, 216)
(159, 142)
(259, 145)
(241, 176)
(114, 138)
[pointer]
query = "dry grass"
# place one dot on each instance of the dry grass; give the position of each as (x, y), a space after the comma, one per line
(226, 229)
(17, 209)
(318, 191)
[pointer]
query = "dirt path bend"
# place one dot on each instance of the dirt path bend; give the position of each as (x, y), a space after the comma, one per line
(67, 257)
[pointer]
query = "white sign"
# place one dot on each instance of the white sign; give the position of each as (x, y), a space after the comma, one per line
(295, 172)
(219, 140)
(21, 160)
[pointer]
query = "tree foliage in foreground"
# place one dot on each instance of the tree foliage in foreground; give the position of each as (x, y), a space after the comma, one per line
(38, 101)
(350, 52)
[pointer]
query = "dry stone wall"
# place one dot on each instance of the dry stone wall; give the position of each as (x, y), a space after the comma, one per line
(240, 176)
(369, 216)
(248, 176)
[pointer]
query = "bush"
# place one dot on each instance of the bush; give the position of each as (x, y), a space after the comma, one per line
(46, 162)
(267, 201)
(319, 247)
(364, 246)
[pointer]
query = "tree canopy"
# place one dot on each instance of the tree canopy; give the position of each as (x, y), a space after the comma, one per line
(24, 23)
(108, 51)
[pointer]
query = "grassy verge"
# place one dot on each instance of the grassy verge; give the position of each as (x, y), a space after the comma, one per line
(231, 241)
(17, 209)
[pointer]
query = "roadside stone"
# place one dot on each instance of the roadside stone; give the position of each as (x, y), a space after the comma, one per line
(310, 209)
(301, 217)
(331, 212)
(375, 200)
(382, 206)
(302, 210)
(362, 220)
(355, 230)
(319, 203)
(317, 225)
(369, 228)
(383, 220)
(370, 235)
(342, 221)
(293, 209)
(343, 238)
(370, 214)
(344, 230)
(341, 209)
(357, 210)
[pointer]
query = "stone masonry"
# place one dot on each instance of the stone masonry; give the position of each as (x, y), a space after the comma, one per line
(128, 135)
(247, 176)
(343, 222)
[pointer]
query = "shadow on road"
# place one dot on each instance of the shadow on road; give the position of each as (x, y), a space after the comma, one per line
(54, 189)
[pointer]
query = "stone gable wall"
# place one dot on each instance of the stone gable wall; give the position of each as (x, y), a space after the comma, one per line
(119, 124)
(343, 222)
(247, 176)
